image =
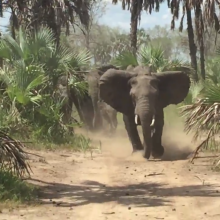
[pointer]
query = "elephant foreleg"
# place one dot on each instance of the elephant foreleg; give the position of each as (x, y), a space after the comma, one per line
(157, 148)
(132, 131)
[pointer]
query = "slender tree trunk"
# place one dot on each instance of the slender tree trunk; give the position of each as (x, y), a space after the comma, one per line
(200, 36)
(202, 56)
(192, 45)
(1, 60)
(87, 39)
(134, 23)
(13, 23)
(51, 22)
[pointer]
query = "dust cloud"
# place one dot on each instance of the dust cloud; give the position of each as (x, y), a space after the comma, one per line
(178, 145)
(117, 144)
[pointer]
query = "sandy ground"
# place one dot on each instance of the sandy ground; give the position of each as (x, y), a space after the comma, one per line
(117, 185)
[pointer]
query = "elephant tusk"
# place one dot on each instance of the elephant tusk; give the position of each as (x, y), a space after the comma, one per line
(152, 123)
(136, 119)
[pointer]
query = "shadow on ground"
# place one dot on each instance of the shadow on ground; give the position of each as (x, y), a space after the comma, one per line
(141, 194)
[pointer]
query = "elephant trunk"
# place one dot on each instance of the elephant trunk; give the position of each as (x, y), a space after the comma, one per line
(145, 114)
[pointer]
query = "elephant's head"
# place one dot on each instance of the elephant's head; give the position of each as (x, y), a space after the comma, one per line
(143, 69)
(143, 95)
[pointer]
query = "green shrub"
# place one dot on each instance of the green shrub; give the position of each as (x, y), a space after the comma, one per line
(15, 189)
(28, 85)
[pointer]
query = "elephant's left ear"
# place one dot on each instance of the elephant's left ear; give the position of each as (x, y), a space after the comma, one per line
(173, 87)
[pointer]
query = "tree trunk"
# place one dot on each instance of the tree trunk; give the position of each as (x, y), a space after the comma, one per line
(202, 53)
(51, 22)
(13, 23)
(87, 39)
(200, 36)
(134, 23)
(1, 60)
(192, 45)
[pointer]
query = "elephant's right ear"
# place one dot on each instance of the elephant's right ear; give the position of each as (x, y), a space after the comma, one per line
(115, 90)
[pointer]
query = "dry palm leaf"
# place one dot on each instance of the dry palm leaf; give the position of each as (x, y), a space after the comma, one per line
(12, 156)
(203, 116)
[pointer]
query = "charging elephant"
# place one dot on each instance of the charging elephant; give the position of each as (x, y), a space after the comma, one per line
(109, 115)
(93, 82)
(141, 98)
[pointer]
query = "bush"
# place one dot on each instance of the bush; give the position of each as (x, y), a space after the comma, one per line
(15, 189)
(28, 85)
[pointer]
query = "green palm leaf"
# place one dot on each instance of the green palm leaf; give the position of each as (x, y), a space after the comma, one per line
(39, 80)
(10, 49)
(211, 93)
(151, 55)
(124, 59)
(80, 59)
(80, 87)
(44, 38)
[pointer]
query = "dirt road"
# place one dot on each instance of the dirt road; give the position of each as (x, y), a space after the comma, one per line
(115, 185)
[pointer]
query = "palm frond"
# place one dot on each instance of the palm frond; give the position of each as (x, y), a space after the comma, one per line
(22, 39)
(124, 59)
(43, 38)
(80, 59)
(10, 49)
(194, 93)
(203, 116)
(149, 55)
(12, 156)
(213, 70)
(79, 87)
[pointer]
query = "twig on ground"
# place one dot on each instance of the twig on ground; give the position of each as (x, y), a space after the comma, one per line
(203, 181)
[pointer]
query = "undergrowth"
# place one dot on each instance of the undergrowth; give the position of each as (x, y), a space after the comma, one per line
(14, 189)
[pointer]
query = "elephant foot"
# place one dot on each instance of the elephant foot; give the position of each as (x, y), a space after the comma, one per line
(136, 150)
(158, 152)
(139, 148)
(147, 153)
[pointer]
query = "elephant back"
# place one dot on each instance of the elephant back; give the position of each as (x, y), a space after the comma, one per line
(104, 68)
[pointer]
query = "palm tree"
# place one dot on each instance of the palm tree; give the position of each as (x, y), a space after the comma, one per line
(206, 17)
(136, 7)
(53, 13)
(192, 45)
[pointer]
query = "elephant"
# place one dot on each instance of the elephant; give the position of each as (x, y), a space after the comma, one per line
(109, 115)
(93, 83)
(141, 98)
(130, 68)
(83, 104)
(140, 69)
